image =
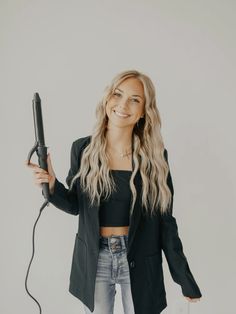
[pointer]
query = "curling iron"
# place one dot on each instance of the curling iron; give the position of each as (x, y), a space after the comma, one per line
(39, 146)
(41, 150)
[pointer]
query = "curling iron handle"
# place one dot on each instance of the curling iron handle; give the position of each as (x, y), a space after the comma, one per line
(42, 159)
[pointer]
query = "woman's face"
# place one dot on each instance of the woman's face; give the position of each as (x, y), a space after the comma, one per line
(128, 101)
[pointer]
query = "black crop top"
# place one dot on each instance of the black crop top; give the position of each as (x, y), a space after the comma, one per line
(115, 210)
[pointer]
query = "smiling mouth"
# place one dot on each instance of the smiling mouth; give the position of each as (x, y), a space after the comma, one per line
(119, 114)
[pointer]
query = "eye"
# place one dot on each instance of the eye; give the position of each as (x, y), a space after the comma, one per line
(116, 94)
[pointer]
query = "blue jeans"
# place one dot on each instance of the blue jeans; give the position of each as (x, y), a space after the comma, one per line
(112, 269)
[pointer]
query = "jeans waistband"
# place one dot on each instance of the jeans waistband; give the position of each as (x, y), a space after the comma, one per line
(114, 243)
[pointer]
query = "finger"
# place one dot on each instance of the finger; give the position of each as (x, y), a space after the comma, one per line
(37, 169)
(40, 181)
(42, 176)
(30, 164)
(40, 170)
(33, 166)
(50, 168)
(49, 158)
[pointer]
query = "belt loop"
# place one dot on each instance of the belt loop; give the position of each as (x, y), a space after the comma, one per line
(123, 242)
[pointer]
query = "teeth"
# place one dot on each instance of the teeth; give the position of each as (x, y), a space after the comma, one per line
(120, 114)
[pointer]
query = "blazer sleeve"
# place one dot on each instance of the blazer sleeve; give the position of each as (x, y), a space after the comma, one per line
(62, 198)
(173, 249)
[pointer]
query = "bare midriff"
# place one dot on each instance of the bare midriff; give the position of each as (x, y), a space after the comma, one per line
(109, 231)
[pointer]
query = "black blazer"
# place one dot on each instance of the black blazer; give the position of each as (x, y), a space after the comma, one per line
(146, 239)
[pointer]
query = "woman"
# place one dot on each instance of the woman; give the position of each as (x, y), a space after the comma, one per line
(120, 186)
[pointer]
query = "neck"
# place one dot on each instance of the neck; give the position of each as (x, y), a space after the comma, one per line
(119, 138)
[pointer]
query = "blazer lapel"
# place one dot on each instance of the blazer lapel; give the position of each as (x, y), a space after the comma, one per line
(134, 218)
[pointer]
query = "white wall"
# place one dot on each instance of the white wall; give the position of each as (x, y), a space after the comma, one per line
(68, 51)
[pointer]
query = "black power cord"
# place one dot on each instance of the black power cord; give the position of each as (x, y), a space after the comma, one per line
(46, 203)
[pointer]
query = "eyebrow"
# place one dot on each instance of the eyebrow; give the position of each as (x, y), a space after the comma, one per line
(132, 95)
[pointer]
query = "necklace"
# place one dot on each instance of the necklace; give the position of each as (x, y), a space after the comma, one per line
(122, 154)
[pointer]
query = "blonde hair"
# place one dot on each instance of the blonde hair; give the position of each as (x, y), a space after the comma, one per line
(148, 152)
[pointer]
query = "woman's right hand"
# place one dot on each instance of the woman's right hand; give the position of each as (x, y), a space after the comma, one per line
(42, 176)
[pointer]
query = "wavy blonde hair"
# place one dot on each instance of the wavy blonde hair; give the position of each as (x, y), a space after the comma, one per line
(148, 152)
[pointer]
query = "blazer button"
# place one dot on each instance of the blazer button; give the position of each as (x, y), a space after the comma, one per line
(132, 264)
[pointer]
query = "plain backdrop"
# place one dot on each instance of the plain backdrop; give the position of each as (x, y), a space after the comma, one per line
(68, 51)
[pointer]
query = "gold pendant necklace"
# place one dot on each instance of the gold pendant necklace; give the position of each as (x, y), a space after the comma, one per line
(123, 154)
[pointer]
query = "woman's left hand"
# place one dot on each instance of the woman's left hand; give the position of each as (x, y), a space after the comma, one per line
(192, 299)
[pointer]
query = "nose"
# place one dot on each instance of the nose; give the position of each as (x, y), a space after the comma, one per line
(123, 103)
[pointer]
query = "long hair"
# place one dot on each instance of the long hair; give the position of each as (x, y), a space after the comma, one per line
(148, 152)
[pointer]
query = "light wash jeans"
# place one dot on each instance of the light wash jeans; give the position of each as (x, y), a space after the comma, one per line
(112, 269)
